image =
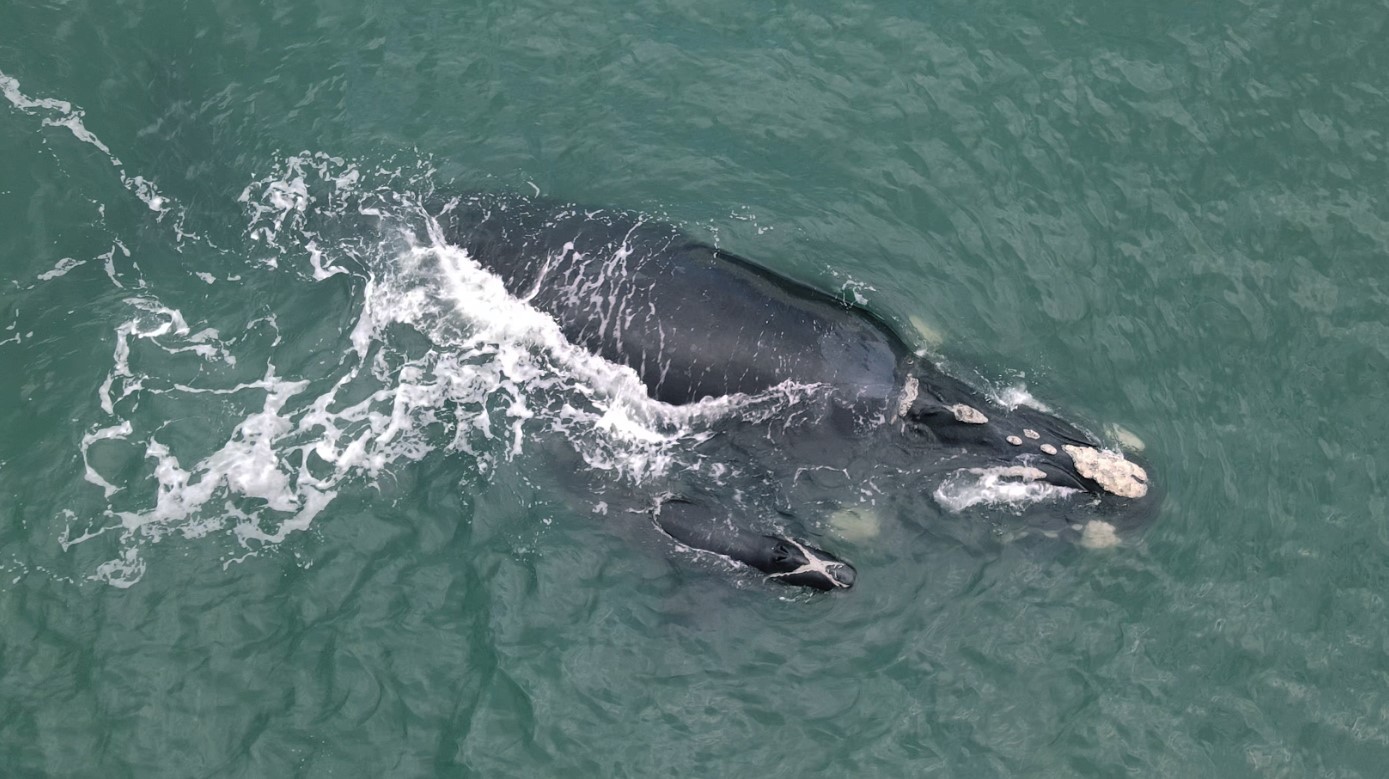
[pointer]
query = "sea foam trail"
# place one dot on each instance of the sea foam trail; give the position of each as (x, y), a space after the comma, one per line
(495, 372)
(61, 113)
(1015, 486)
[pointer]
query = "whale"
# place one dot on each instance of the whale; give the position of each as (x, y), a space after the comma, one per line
(695, 321)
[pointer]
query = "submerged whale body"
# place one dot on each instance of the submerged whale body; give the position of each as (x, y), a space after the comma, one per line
(695, 322)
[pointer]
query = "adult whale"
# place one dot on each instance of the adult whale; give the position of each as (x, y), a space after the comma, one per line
(695, 321)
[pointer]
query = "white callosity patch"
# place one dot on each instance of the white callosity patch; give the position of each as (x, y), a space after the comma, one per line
(1110, 470)
(814, 565)
(910, 389)
(968, 414)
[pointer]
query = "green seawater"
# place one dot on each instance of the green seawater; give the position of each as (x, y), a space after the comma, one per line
(265, 511)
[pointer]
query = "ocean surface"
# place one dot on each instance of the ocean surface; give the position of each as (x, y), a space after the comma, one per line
(288, 488)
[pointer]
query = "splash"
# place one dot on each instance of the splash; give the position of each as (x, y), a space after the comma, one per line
(1017, 395)
(1013, 486)
(437, 358)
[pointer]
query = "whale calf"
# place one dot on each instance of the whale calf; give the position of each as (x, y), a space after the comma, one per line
(695, 321)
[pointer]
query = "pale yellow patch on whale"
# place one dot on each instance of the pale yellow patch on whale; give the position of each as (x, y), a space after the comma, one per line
(927, 336)
(1126, 438)
(1098, 534)
(856, 524)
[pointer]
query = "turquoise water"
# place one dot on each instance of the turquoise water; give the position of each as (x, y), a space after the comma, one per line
(272, 504)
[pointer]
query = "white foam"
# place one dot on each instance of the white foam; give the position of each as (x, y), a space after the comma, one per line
(531, 351)
(123, 571)
(1015, 486)
(60, 268)
(61, 113)
(108, 261)
(1016, 396)
(438, 357)
(119, 431)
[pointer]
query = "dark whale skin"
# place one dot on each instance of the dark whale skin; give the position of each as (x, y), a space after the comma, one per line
(695, 321)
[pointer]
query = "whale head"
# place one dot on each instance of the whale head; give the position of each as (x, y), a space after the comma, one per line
(791, 562)
(1025, 451)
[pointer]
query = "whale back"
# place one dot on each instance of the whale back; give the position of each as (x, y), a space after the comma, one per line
(692, 320)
